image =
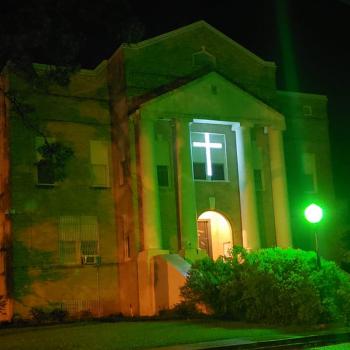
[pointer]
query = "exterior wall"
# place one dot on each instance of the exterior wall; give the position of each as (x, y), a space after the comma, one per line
(142, 101)
(144, 73)
(226, 193)
(39, 277)
(5, 223)
(225, 104)
(126, 185)
(308, 134)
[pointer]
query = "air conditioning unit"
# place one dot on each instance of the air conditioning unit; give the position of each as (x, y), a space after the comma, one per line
(91, 260)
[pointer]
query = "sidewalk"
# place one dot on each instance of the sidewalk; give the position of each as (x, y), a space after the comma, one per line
(295, 342)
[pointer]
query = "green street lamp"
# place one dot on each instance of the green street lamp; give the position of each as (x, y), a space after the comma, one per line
(314, 214)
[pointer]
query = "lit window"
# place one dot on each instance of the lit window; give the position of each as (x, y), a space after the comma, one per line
(209, 156)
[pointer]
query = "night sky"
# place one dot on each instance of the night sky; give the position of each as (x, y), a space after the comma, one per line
(318, 42)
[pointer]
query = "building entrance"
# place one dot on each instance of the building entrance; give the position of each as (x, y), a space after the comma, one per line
(214, 234)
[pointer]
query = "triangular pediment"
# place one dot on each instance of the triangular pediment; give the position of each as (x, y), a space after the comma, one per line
(212, 97)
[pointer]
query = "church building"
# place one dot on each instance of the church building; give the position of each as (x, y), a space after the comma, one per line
(183, 147)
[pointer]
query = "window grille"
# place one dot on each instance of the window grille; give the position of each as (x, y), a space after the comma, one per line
(76, 307)
(78, 236)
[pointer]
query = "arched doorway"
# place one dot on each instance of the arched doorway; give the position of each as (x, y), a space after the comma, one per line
(214, 234)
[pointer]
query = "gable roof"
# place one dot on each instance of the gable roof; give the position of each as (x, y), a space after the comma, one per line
(191, 27)
(160, 61)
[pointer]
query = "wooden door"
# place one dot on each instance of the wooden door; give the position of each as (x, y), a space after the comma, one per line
(204, 237)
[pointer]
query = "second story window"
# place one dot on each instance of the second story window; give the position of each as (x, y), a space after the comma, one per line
(99, 159)
(45, 172)
(209, 156)
(309, 173)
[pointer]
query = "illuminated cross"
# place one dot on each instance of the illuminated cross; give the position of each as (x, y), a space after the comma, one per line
(207, 145)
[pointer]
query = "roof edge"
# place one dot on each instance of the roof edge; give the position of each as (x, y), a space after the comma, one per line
(193, 26)
(83, 71)
(303, 94)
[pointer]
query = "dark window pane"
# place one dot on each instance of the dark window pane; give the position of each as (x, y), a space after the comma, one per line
(45, 173)
(163, 177)
(258, 180)
(199, 171)
(309, 183)
(218, 172)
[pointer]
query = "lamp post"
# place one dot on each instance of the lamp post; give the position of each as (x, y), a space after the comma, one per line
(313, 214)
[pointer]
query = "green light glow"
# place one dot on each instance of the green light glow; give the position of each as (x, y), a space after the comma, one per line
(313, 213)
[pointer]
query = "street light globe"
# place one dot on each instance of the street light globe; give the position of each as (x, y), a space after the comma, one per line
(313, 213)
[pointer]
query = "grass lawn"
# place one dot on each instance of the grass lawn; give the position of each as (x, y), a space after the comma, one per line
(134, 335)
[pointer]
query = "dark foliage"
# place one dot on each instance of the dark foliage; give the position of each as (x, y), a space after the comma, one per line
(54, 159)
(273, 286)
(42, 315)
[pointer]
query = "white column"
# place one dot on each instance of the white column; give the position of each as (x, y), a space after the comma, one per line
(187, 195)
(150, 213)
(249, 216)
(279, 189)
(149, 186)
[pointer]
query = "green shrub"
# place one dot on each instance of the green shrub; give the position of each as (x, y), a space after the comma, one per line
(39, 314)
(277, 286)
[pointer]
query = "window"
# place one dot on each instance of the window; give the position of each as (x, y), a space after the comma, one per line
(99, 156)
(203, 59)
(209, 156)
(78, 307)
(127, 250)
(163, 175)
(307, 111)
(259, 178)
(309, 172)
(45, 173)
(126, 237)
(78, 237)
(163, 156)
(199, 172)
